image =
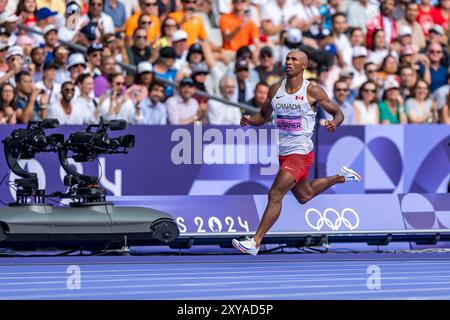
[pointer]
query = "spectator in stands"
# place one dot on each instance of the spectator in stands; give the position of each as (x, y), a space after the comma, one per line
(440, 95)
(384, 21)
(164, 68)
(275, 16)
(361, 11)
(220, 113)
(144, 74)
(28, 107)
(358, 61)
(116, 10)
(199, 73)
(408, 79)
(183, 108)
(51, 40)
(101, 83)
(389, 67)
(11, 29)
(340, 93)
(365, 107)
(169, 26)
(94, 60)
(392, 110)
(7, 104)
(410, 20)
(356, 40)
(113, 46)
(44, 17)
(408, 57)
(61, 55)
(86, 101)
(425, 16)
(435, 70)
(48, 84)
(421, 108)
(114, 105)
(260, 95)
(140, 50)
(244, 87)
(152, 109)
(436, 34)
(64, 110)
(15, 61)
(37, 59)
(378, 48)
(268, 70)
(55, 5)
(97, 21)
(149, 7)
(441, 15)
(189, 22)
(445, 114)
(179, 44)
(237, 28)
(339, 25)
(26, 11)
(76, 66)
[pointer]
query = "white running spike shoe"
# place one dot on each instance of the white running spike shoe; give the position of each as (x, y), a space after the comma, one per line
(349, 174)
(247, 245)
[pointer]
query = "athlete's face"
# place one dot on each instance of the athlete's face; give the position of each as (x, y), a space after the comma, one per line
(296, 62)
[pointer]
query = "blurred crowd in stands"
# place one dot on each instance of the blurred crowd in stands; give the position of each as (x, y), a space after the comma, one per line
(382, 62)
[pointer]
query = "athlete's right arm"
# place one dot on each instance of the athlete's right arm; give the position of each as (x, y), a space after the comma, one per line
(264, 114)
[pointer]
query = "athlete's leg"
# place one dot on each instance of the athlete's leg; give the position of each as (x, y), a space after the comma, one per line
(305, 190)
(282, 184)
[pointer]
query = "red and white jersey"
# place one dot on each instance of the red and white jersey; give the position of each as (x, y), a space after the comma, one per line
(295, 120)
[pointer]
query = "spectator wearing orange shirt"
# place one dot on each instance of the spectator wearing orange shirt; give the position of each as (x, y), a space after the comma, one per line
(237, 28)
(149, 7)
(189, 22)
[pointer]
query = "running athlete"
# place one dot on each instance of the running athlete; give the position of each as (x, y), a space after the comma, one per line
(294, 102)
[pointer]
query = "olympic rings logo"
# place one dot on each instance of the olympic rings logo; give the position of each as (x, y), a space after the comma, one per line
(333, 224)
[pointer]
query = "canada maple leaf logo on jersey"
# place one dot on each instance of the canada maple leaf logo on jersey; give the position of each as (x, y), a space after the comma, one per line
(299, 98)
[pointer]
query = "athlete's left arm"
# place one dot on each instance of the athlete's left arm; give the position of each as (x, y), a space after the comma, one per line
(318, 96)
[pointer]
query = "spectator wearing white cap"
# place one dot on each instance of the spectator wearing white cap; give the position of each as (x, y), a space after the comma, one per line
(359, 59)
(223, 114)
(51, 40)
(392, 110)
(15, 61)
(10, 23)
(405, 35)
(144, 74)
(179, 44)
(410, 20)
(76, 65)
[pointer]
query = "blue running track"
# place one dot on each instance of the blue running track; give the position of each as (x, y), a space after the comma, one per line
(274, 276)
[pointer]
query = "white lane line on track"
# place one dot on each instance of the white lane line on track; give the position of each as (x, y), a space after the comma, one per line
(267, 272)
(304, 268)
(362, 282)
(280, 279)
(290, 295)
